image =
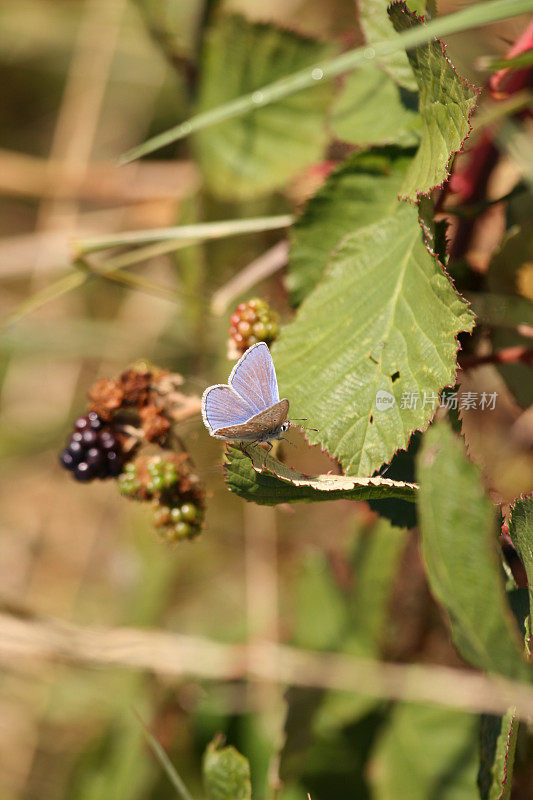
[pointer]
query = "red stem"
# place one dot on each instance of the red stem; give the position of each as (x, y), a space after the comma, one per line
(508, 355)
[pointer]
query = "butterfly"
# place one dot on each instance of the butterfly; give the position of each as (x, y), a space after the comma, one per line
(247, 408)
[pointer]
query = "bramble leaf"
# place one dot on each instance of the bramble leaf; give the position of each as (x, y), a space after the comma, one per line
(380, 328)
(374, 562)
(226, 773)
(377, 27)
(257, 476)
(363, 190)
(460, 549)
(521, 533)
(502, 310)
(498, 737)
(358, 117)
(446, 103)
(426, 752)
(260, 151)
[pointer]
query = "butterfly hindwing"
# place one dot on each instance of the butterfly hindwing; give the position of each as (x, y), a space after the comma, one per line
(261, 427)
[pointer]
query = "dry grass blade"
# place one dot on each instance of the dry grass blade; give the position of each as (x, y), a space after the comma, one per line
(51, 292)
(174, 656)
(165, 761)
(260, 268)
(135, 282)
(200, 231)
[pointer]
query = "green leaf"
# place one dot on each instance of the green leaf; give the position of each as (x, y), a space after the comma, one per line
(434, 231)
(349, 620)
(446, 104)
(505, 310)
(357, 114)
(521, 533)
(320, 615)
(320, 608)
(226, 773)
(363, 190)
(460, 549)
(387, 317)
(507, 264)
(377, 27)
(469, 17)
(498, 737)
(374, 563)
(426, 753)
(260, 152)
(257, 476)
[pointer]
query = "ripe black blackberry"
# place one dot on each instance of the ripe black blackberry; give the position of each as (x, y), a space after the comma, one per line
(93, 450)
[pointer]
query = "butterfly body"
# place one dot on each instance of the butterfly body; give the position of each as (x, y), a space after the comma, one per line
(248, 407)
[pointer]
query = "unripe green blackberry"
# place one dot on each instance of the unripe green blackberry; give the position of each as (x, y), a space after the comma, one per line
(179, 522)
(128, 481)
(162, 516)
(163, 475)
(253, 322)
(175, 491)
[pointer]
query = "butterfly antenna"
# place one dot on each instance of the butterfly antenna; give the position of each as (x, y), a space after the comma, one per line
(304, 427)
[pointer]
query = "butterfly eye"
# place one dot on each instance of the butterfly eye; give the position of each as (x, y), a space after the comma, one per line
(285, 426)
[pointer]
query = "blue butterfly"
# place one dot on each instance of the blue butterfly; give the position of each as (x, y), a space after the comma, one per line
(247, 408)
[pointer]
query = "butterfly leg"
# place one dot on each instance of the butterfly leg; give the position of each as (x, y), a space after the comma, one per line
(284, 438)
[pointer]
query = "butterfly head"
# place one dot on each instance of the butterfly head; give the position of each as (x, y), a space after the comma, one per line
(285, 426)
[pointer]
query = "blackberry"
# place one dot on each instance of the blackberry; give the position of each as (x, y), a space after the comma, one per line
(67, 460)
(253, 322)
(93, 450)
(163, 475)
(178, 522)
(176, 494)
(128, 481)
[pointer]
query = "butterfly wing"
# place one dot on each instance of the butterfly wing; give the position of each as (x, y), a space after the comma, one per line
(222, 407)
(254, 378)
(261, 428)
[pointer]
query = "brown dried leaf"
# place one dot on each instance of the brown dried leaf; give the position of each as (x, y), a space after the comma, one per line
(135, 386)
(105, 396)
(154, 422)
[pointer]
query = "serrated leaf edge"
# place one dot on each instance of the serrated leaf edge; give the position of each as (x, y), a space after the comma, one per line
(450, 385)
(476, 89)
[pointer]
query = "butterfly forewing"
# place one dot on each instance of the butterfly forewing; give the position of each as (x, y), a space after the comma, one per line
(223, 407)
(260, 428)
(254, 378)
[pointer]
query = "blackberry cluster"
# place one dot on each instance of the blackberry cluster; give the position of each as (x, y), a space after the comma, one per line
(253, 322)
(176, 494)
(93, 450)
(145, 479)
(174, 523)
